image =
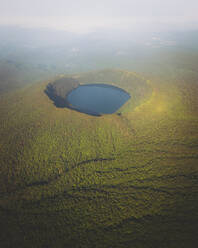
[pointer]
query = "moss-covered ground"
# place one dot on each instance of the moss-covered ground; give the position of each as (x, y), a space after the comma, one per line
(68, 179)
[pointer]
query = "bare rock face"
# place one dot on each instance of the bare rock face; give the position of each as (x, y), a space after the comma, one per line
(58, 91)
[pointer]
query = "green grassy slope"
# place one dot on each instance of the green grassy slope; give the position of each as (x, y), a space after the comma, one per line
(68, 179)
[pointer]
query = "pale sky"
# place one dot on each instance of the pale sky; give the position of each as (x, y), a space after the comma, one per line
(89, 15)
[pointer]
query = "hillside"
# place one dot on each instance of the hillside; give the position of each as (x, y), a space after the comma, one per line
(68, 179)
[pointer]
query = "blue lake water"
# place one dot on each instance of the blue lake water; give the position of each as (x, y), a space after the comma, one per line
(97, 99)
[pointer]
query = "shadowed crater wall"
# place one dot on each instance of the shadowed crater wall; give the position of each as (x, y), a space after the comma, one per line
(58, 91)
